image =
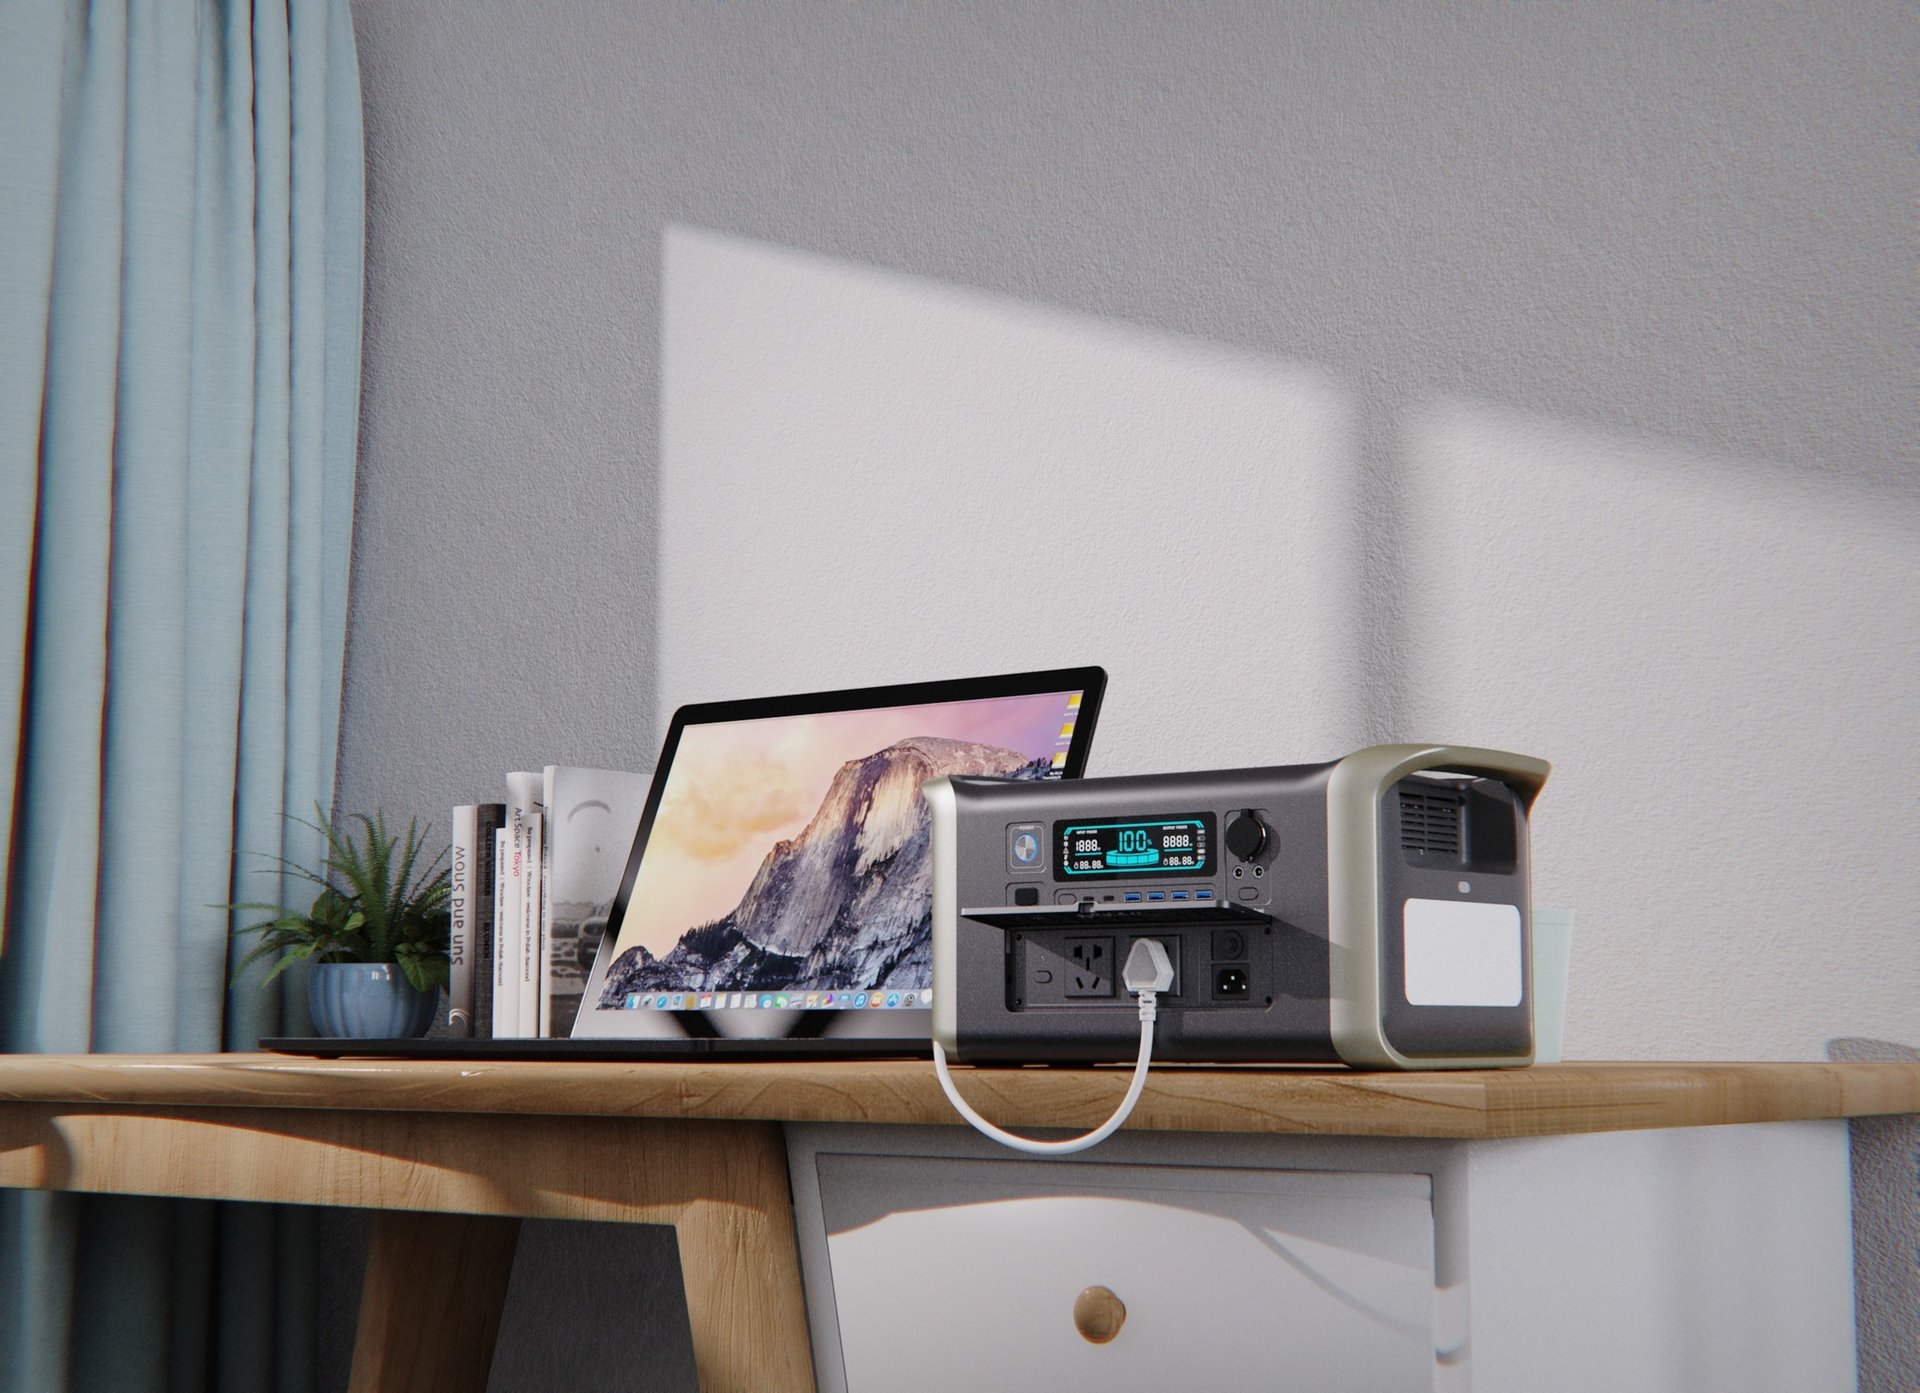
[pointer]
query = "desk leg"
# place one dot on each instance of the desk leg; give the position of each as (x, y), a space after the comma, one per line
(430, 1302)
(741, 1265)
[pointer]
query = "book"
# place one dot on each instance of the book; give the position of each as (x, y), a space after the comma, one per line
(487, 818)
(461, 947)
(500, 1008)
(520, 1009)
(592, 816)
(543, 974)
(530, 940)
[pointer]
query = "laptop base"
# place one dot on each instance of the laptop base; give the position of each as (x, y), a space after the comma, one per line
(638, 1051)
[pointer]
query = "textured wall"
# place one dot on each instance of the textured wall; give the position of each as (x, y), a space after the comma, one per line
(1689, 224)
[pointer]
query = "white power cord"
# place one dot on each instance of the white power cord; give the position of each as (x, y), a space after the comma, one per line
(1148, 973)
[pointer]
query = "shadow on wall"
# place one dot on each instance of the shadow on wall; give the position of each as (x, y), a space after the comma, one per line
(867, 476)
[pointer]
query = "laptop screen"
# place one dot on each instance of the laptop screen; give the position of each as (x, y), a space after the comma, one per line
(784, 863)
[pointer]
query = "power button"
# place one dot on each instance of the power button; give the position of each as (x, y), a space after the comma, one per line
(1025, 849)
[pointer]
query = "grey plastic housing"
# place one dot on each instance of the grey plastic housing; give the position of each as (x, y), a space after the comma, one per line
(1311, 915)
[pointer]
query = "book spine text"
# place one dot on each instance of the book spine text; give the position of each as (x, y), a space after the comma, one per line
(460, 924)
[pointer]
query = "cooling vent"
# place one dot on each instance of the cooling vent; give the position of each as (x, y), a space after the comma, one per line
(1430, 820)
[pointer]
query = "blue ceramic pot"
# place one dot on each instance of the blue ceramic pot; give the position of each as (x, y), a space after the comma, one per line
(368, 1001)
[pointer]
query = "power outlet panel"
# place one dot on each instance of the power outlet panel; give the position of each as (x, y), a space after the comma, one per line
(1068, 967)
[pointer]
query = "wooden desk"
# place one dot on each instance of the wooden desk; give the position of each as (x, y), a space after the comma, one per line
(454, 1154)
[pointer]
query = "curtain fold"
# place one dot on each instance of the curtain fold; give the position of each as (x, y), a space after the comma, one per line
(180, 311)
(33, 63)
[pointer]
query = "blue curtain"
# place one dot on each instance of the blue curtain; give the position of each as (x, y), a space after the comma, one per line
(181, 216)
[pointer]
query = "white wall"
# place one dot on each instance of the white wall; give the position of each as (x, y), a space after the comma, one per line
(1723, 660)
(1571, 345)
(1684, 224)
(867, 477)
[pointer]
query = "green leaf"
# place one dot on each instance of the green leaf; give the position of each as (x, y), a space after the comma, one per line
(278, 968)
(260, 950)
(374, 903)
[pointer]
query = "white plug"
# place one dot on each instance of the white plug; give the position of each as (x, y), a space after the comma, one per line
(1148, 968)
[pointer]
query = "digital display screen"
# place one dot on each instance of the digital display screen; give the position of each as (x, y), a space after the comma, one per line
(1154, 846)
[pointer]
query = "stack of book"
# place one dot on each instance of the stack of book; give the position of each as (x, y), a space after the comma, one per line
(533, 881)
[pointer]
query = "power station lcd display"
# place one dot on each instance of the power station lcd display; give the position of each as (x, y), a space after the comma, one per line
(1158, 846)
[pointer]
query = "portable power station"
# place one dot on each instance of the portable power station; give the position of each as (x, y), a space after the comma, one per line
(1373, 910)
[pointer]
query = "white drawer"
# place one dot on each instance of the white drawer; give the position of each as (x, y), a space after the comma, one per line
(962, 1274)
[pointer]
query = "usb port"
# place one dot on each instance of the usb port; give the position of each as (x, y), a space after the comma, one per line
(1156, 894)
(1132, 895)
(1203, 894)
(1179, 894)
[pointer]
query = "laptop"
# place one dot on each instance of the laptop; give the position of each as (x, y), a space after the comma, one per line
(777, 900)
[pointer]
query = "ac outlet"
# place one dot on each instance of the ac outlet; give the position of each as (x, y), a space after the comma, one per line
(1090, 966)
(1232, 982)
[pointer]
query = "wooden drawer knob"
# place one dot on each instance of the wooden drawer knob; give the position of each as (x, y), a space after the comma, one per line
(1098, 1315)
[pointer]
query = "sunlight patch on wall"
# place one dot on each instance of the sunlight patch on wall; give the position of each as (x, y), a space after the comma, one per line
(869, 477)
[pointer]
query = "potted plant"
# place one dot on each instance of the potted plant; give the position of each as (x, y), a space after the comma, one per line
(376, 933)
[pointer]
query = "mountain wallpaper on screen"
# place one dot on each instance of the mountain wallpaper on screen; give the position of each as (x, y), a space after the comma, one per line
(847, 904)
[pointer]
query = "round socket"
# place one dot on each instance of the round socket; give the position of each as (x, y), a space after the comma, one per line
(1229, 944)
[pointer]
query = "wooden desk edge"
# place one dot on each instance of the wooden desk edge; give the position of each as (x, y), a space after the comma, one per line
(1541, 1101)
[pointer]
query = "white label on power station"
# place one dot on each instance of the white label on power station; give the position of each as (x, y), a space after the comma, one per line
(1461, 954)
